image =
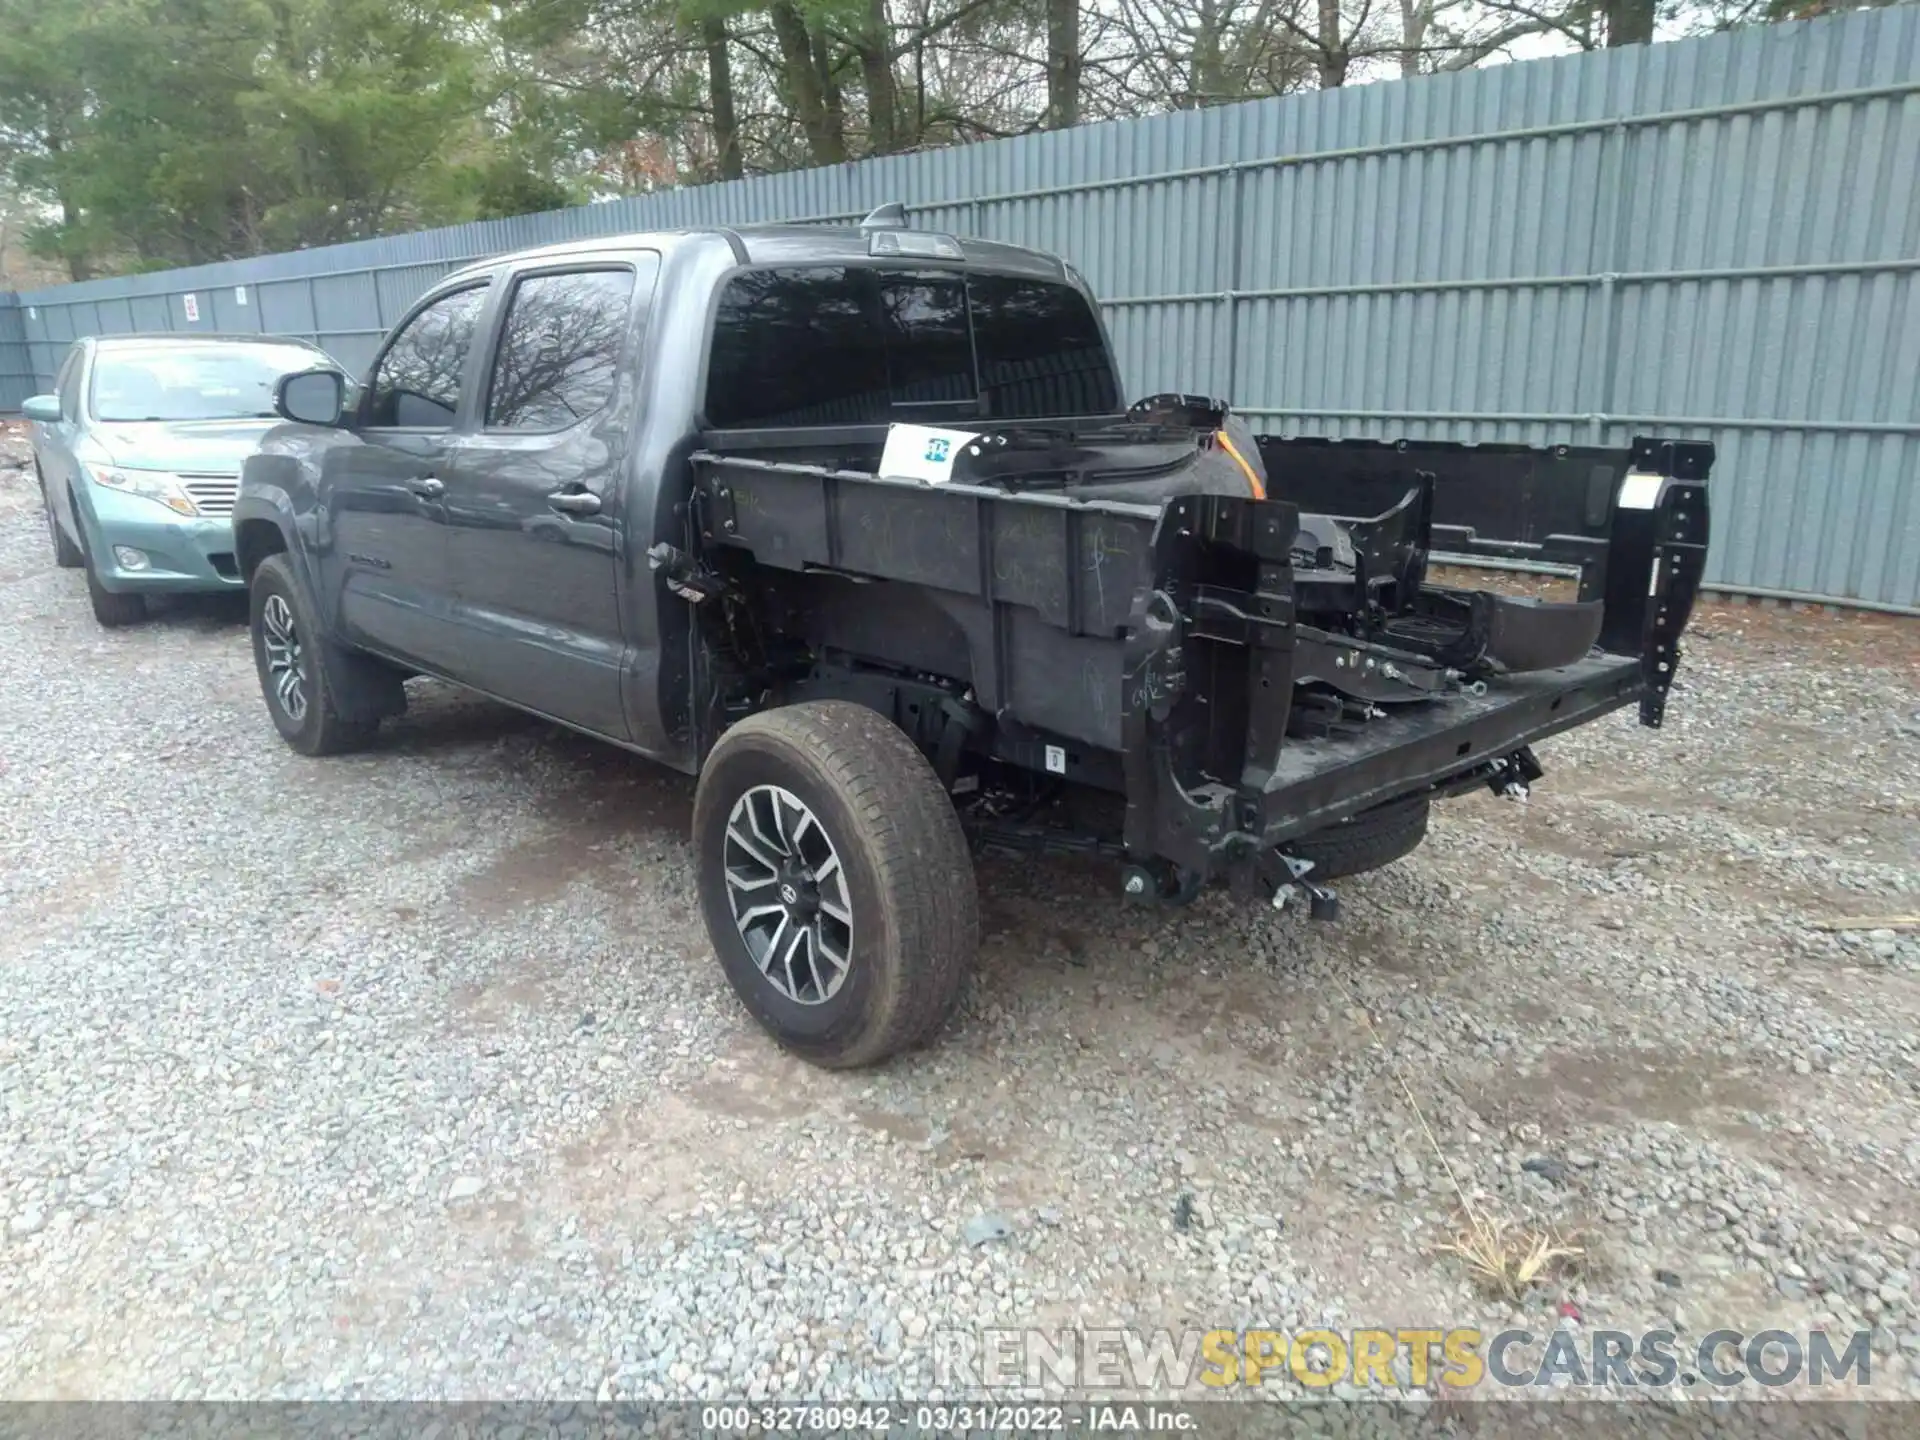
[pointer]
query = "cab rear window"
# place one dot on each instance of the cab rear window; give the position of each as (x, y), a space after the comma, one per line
(843, 345)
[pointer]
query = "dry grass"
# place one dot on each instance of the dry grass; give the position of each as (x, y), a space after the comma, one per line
(1504, 1257)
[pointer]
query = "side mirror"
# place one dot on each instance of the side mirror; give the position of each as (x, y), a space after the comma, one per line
(44, 408)
(313, 397)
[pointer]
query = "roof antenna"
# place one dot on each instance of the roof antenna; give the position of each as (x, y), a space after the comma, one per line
(890, 216)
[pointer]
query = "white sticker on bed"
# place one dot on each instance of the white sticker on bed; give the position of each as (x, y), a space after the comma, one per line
(921, 452)
(1640, 491)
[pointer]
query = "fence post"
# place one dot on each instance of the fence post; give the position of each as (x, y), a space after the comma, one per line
(313, 309)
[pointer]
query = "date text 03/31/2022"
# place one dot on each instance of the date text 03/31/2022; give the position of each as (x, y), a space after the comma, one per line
(943, 1419)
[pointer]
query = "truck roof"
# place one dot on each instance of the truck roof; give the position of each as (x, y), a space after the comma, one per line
(787, 244)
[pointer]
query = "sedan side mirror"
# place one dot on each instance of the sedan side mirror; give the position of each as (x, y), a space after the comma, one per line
(44, 408)
(313, 397)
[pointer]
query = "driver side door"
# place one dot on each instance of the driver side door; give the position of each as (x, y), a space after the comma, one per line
(387, 567)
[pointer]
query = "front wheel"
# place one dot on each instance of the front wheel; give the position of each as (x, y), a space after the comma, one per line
(835, 881)
(111, 608)
(286, 653)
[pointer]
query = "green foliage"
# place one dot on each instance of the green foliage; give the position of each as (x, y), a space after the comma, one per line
(165, 132)
(508, 187)
(151, 133)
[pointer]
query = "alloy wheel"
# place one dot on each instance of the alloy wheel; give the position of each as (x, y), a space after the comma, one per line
(789, 895)
(285, 674)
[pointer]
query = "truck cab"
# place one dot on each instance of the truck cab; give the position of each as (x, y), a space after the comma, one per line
(491, 501)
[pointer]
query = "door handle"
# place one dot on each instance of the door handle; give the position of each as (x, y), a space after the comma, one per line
(575, 502)
(428, 486)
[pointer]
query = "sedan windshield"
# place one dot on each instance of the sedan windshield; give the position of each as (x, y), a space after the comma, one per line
(204, 382)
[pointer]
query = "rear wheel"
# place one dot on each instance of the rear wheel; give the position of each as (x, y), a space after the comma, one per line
(286, 654)
(836, 884)
(1366, 842)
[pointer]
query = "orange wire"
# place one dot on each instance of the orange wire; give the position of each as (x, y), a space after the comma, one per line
(1253, 479)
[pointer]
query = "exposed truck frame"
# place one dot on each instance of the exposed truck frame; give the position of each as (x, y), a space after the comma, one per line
(1100, 639)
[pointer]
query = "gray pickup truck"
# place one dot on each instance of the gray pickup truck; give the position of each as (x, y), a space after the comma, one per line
(857, 525)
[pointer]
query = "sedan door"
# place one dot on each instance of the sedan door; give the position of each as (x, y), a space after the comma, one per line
(384, 548)
(53, 443)
(534, 499)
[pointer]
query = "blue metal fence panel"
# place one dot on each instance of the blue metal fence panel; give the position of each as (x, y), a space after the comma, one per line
(16, 368)
(1716, 238)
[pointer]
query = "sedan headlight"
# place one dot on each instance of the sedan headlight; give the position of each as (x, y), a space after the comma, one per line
(158, 485)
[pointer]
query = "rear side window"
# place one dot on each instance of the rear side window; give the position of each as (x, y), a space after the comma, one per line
(1041, 351)
(560, 349)
(416, 385)
(796, 347)
(835, 345)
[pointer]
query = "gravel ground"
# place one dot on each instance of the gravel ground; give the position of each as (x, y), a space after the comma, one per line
(411, 1074)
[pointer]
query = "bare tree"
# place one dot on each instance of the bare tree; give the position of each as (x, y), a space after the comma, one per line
(806, 79)
(726, 128)
(1629, 22)
(733, 87)
(1063, 64)
(1191, 53)
(1441, 35)
(873, 43)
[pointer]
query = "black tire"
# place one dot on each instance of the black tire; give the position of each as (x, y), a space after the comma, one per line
(313, 726)
(913, 922)
(111, 609)
(66, 554)
(1366, 842)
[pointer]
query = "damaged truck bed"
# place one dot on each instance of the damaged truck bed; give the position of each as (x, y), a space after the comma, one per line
(1208, 629)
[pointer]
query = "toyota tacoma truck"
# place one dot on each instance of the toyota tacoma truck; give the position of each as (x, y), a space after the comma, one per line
(857, 526)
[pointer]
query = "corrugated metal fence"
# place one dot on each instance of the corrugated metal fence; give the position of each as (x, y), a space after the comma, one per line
(1715, 238)
(16, 368)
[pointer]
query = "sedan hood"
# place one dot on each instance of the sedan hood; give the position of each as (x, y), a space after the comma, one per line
(190, 447)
